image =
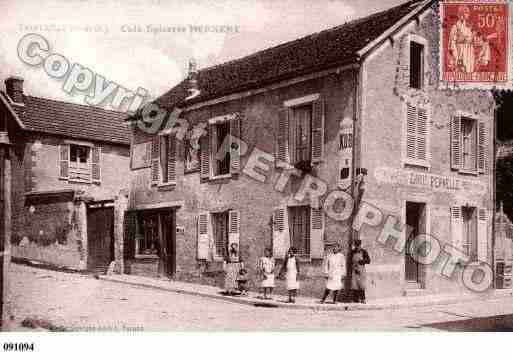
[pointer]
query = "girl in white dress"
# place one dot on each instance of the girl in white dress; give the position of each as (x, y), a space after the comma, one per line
(266, 266)
(291, 270)
(334, 269)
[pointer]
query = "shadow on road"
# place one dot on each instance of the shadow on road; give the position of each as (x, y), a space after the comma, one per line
(499, 323)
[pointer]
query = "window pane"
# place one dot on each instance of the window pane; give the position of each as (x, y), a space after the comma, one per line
(303, 133)
(221, 233)
(164, 144)
(299, 223)
(416, 65)
(222, 166)
(469, 144)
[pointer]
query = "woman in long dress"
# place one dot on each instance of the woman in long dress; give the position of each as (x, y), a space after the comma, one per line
(290, 269)
(266, 266)
(334, 268)
(231, 267)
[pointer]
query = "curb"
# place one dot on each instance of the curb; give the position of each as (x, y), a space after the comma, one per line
(315, 307)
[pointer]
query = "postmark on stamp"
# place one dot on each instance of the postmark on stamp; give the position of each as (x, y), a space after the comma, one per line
(475, 44)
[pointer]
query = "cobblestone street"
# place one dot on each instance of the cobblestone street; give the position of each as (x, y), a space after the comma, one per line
(76, 302)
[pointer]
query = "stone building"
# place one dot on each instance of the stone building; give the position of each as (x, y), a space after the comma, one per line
(69, 163)
(359, 98)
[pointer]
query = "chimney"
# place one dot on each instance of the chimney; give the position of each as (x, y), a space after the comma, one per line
(14, 88)
(192, 80)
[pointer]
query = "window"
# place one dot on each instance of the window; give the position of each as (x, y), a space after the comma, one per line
(301, 136)
(299, 223)
(416, 65)
(79, 163)
(149, 239)
(163, 160)
(417, 136)
(220, 228)
(221, 166)
(469, 144)
(469, 219)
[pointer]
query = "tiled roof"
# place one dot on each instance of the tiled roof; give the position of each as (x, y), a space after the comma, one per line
(337, 46)
(73, 120)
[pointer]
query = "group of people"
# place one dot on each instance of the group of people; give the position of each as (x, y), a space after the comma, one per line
(334, 269)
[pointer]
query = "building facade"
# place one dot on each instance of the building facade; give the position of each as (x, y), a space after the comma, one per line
(315, 115)
(69, 164)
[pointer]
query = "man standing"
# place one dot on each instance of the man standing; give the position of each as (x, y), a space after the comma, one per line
(334, 269)
(359, 259)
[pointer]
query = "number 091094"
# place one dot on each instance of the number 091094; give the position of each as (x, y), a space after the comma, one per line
(18, 347)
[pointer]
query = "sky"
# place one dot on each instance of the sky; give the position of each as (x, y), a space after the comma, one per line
(119, 39)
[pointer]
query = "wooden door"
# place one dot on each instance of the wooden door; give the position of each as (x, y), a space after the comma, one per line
(168, 243)
(100, 238)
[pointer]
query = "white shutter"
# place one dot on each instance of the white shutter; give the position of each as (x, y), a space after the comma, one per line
(457, 228)
(482, 147)
(411, 131)
(233, 228)
(171, 159)
(234, 145)
(205, 154)
(456, 143)
(317, 130)
(155, 160)
(281, 237)
(282, 156)
(204, 242)
(96, 157)
(482, 235)
(316, 233)
(422, 134)
(64, 161)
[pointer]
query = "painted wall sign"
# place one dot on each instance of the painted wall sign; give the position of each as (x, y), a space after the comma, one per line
(345, 149)
(429, 181)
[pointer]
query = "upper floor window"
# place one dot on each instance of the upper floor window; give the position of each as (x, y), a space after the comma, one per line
(416, 65)
(469, 144)
(220, 156)
(163, 160)
(80, 162)
(300, 127)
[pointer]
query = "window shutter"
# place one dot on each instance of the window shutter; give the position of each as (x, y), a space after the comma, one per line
(316, 233)
(317, 130)
(204, 240)
(205, 154)
(171, 159)
(282, 155)
(456, 142)
(422, 134)
(155, 160)
(482, 235)
(234, 146)
(96, 158)
(457, 228)
(411, 131)
(64, 161)
(281, 238)
(482, 147)
(233, 228)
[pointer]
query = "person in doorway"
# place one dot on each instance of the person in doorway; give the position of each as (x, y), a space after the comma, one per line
(334, 269)
(231, 267)
(266, 267)
(290, 270)
(359, 259)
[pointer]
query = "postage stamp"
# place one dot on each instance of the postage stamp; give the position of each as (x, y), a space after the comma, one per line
(475, 44)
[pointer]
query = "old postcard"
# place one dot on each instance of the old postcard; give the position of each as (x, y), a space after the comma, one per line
(255, 166)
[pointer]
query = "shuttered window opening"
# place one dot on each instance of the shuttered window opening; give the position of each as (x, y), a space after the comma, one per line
(300, 135)
(469, 219)
(220, 229)
(167, 160)
(299, 224)
(417, 135)
(416, 65)
(80, 163)
(469, 232)
(469, 145)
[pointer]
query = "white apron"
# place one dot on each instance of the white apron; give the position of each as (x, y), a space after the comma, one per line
(291, 275)
(335, 271)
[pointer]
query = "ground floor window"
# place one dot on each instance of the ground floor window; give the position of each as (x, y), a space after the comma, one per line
(220, 229)
(299, 223)
(469, 218)
(148, 240)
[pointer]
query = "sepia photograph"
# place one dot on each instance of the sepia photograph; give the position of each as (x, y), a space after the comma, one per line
(255, 166)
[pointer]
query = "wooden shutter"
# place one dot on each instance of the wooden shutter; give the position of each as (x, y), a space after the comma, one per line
(317, 130)
(316, 233)
(234, 145)
(204, 236)
(411, 131)
(482, 235)
(457, 228)
(281, 237)
(205, 154)
(456, 142)
(171, 159)
(155, 160)
(233, 228)
(96, 158)
(282, 155)
(422, 134)
(64, 161)
(482, 147)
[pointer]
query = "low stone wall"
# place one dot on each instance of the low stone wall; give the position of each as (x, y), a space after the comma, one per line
(55, 254)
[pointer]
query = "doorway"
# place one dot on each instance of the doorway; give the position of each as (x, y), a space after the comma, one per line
(100, 237)
(167, 261)
(417, 224)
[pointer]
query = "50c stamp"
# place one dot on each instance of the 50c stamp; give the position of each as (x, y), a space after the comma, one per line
(474, 43)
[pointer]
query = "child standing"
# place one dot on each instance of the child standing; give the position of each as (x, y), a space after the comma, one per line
(290, 269)
(242, 281)
(266, 266)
